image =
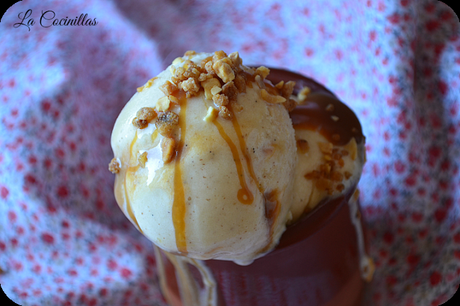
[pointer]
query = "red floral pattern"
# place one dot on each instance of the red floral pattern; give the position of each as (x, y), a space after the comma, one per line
(63, 241)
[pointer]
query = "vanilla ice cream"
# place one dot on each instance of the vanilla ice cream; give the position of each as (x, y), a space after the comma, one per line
(210, 165)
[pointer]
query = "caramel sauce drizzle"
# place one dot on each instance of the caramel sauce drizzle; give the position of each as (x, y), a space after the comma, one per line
(178, 207)
(245, 196)
(129, 208)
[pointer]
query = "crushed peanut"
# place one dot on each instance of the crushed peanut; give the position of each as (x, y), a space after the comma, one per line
(325, 147)
(224, 71)
(178, 60)
(263, 72)
(168, 146)
(211, 114)
(166, 123)
(240, 83)
(173, 99)
(235, 57)
(208, 85)
(168, 88)
(190, 53)
(114, 166)
(302, 95)
(287, 89)
(271, 98)
(163, 104)
(335, 118)
(143, 117)
(220, 100)
(215, 90)
(330, 108)
(230, 91)
(225, 113)
(190, 86)
(328, 177)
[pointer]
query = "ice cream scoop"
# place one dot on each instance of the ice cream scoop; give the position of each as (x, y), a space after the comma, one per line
(210, 164)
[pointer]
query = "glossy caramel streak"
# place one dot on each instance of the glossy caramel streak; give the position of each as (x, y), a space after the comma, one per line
(243, 147)
(178, 207)
(129, 208)
(313, 115)
(245, 196)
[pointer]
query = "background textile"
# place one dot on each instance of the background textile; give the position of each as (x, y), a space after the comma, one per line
(396, 63)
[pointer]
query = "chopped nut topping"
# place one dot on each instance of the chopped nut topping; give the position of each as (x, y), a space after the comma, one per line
(168, 146)
(302, 145)
(208, 85)
(173, 99)
(325, 168)
(290, 104)
(211, 114)
(219, 55)
(325, 147)
(287, 89)
(190, 86)
(224, 71)
(280, 85)
(260, 82)
(177, 61)
(143, 117)
(163, 104)
(147, 85)
(335, 118)
(302, 95)
(114, 166)
(220, 100)
(263, 72)
(166, 123)
(335, 155)
(315, 174)
(230, 91)
(215, 90)
(271, 98)
(330, 108)
(235, 57)
(168, 88)
(336, 176)
(341, 163)
(324, 184)
(190, 53)
(205, 76)
(240, 83)
(142, 159)
(225, 113)
(208, 67)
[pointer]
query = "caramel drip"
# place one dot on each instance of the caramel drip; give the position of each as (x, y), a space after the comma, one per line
(338, 125)
(178, 207)
(245, 196)
(129, 208)
(272, 208)
(243, 147)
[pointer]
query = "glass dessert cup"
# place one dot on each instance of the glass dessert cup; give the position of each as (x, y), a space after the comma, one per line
(320, 260)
